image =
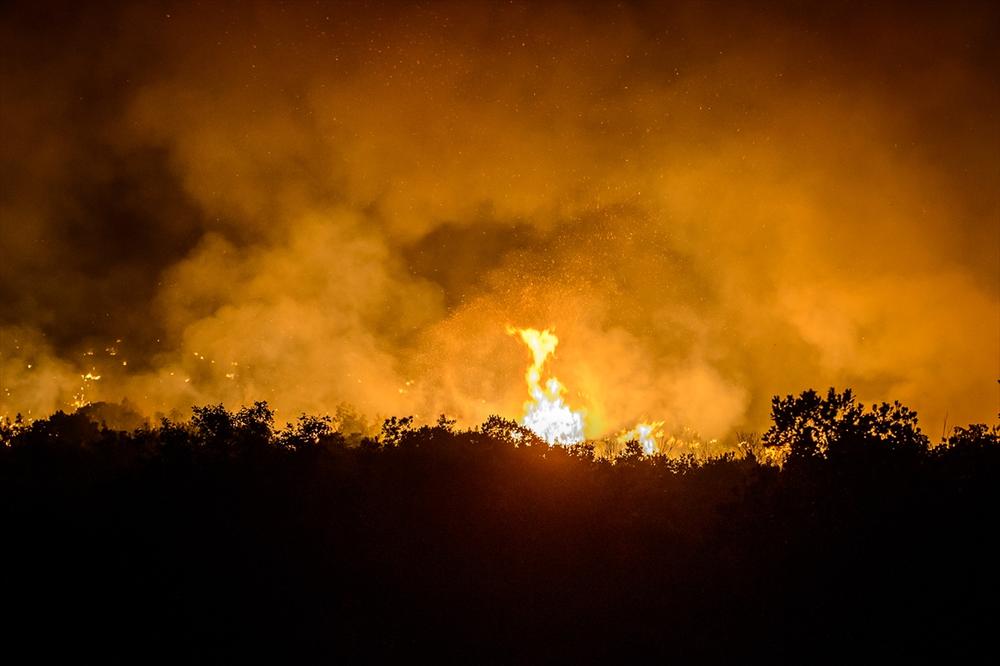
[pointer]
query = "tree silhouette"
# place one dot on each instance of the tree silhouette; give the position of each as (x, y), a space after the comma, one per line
(225, 538)
(838, 427)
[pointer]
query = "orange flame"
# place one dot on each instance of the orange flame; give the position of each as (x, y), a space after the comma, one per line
(647, 434)
(546, 414)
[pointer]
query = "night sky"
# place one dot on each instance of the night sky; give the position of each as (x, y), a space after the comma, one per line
(315, 204)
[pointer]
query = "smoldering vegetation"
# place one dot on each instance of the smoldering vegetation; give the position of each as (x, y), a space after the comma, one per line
(226, 538)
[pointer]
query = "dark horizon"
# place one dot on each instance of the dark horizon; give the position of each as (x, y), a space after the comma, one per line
(229, 539)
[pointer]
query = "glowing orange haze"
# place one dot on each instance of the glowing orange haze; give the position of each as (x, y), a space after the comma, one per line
(317, 205)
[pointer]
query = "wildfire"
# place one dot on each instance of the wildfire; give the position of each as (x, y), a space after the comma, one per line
(647, 434)
(547, 414)
(80, 397)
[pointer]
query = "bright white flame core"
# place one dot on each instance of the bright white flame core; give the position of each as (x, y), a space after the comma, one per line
(546, 414)
(646, 434)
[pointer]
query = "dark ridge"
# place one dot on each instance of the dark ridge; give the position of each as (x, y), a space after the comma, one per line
(227, 540)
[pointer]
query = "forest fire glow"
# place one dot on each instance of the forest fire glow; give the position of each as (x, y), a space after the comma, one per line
(547, 414)
(368, 330)
(647, 434)
(355, 219)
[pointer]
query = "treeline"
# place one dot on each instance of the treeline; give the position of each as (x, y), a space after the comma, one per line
(228, 538)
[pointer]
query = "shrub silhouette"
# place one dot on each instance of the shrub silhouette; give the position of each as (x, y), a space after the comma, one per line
(227, 539)
(839, 428)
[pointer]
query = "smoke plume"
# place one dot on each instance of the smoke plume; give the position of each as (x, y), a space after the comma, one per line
(328, 203)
